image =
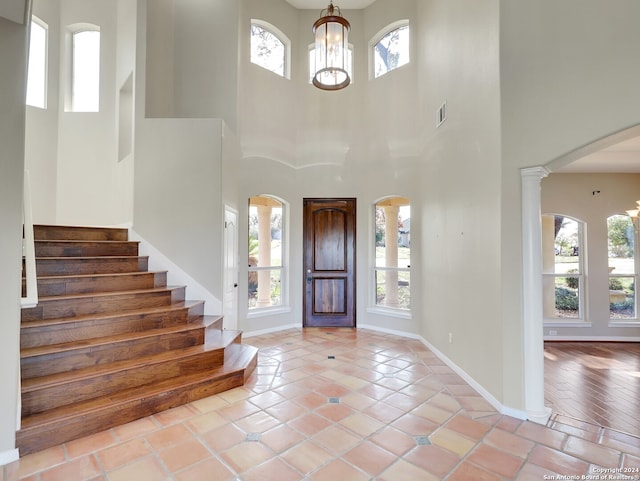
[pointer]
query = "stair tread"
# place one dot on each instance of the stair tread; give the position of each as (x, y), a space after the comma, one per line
(101, 274)
(176, 306)
(221, 341)
(86, 407)
(100, 341)
(87, 295)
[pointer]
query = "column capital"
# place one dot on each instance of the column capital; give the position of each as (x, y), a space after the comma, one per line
(538, 172)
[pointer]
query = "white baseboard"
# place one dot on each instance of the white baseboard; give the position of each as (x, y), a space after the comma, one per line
(176, 276)
(8, 457)
(592, 338)
(502, 409)
(270, 330)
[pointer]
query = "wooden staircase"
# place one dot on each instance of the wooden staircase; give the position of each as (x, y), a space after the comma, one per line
(109, 342)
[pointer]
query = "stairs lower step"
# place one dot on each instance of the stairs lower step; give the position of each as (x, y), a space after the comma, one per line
(85, 248)
(49, 392)
(57, 232)
(55, 307)
(66, 423)
(46, 360)
(64, 330)
(52, 266)
(88, 283)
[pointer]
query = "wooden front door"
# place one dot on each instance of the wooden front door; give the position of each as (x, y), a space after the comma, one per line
(329, 234)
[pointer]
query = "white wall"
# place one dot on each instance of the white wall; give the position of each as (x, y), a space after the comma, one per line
(460, 185)
(41, 143)
(73, 156)
(13, 48)
(298, 141)
(573, 195)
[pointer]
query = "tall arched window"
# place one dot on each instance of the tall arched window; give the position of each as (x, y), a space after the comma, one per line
(621, 246)
(85, 68)
(392, 236)
(390, 48)
(563, 271)
(270, 48)
(266, 274)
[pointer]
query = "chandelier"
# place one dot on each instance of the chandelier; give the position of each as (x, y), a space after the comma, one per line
(331, 32)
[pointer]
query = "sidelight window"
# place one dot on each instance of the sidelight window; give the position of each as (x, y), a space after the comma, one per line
(392, 274)
(266, 252)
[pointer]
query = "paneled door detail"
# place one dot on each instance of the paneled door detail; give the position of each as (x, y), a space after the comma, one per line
(329, 234)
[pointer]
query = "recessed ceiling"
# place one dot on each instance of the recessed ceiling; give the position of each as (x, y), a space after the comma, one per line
(322, 4)
(623, 157)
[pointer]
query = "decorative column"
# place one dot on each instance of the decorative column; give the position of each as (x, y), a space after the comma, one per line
(391, 254)
(532, 300)
(264, 255)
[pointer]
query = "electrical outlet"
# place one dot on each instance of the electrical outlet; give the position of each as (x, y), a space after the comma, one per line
(451, 338)
(553, 333)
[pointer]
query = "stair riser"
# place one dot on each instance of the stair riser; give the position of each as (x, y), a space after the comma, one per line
(64, 286)
(46, 232)
(85, 249)
(107, 384)
(107, 326)
(41, 437)
(81, 358)
(90, 265)
(80, 306)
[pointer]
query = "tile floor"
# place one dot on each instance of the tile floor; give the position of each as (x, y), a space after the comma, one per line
(341, 405)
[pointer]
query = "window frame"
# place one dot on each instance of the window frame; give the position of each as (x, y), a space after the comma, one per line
(45, 74)
(625, 321)
(70, 101)
(377, 38)
(279, 34)
(375, 307)
(580, 319)
(283, 306)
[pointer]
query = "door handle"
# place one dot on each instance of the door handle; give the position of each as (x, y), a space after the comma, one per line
(308, 274)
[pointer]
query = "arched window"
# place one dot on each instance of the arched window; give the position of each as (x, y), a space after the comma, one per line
(270, 48)
(37, 71)
(392, 236)
(621, 246)
(563, 271)
(390, 48)
(85, 68)
(266, 276)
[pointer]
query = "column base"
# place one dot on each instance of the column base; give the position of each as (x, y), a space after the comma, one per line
(539, 417)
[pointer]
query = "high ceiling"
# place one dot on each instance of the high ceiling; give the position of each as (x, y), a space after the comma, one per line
(623, 157)
(321, 4)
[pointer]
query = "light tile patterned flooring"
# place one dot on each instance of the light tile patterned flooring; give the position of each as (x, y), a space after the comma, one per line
(341, 405)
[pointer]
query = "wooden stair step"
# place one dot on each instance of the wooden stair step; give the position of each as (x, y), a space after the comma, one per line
(63, 266)
(59, 232)
(66, 423)
(112, 282)
(48, 392)
(102, 302)
(77, 248)
(52, 359)
(62, 330)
